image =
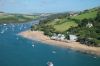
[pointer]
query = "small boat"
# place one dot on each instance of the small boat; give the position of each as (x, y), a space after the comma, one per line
(12, 25)
(21, 27)
(94, 57)
(24, 27)
(6, 28)
(54, 52)
(4, 24)
(33, 45)
(17, 38)
(50, 64)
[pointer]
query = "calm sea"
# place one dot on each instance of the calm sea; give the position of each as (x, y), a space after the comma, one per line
(18, 51)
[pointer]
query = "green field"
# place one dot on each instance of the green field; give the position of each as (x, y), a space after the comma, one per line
(65, 26)
(62, 25)
(87, 15)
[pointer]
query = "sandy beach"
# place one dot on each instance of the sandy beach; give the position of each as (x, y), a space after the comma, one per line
(38, 35)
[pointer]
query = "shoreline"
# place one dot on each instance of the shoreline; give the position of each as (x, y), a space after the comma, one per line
(39, 36)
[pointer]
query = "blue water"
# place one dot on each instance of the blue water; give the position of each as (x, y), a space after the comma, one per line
(18, 51)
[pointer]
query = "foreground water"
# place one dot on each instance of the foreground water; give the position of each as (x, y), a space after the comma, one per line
(18, 51)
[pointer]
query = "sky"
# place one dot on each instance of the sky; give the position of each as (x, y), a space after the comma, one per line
(46, 6)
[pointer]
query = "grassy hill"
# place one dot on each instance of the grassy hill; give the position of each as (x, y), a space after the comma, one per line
(15, 18)
(63, 21)
(86, 15)
(74, 24)
(63, 24)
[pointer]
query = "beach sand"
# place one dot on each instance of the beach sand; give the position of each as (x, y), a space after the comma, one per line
(38, 35)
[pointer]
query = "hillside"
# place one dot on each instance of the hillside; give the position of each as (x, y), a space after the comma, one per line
(87, 14)
(14, 18)
(85, 25)
(62, 25)
(63, 21)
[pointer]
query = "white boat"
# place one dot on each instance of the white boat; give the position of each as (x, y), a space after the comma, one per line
(17, 38)
(4, 24)
(12, 25)
(54, 52)
(6, 28)
(21, 27)
(94, 57)
(33, 45)
(50, 64)
(24, 27)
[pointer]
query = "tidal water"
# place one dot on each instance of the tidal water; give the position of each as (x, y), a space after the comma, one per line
(18, 51)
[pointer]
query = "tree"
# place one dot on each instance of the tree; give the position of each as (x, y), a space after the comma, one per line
(48, 30)
(98, 16)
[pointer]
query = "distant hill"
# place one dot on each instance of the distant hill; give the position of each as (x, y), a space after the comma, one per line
(15, 18)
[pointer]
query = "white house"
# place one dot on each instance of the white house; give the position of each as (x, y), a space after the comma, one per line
(61, 36)
(54, 37)
(57, 19)
(73, 37)
(89, 25)
(58, 37)
(73, 14)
